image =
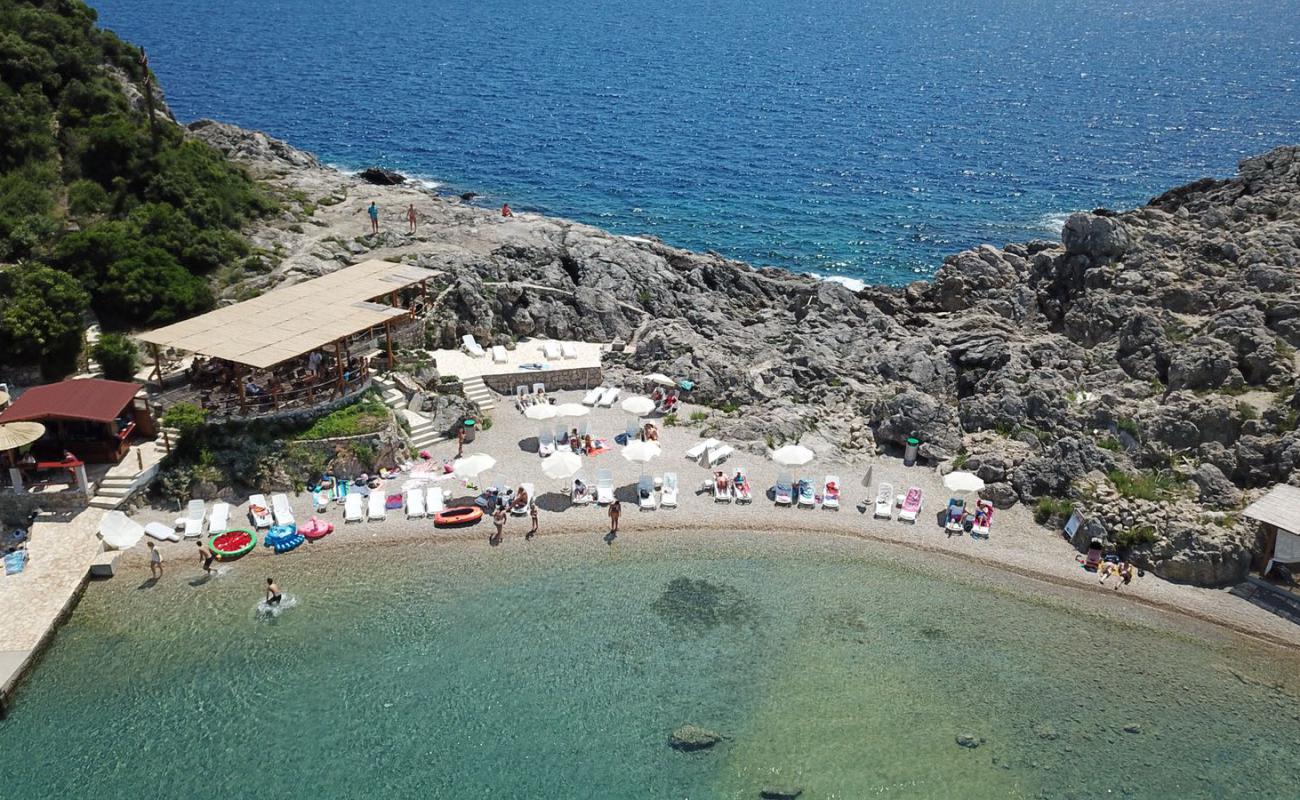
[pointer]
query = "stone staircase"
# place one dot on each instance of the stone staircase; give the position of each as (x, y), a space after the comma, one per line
(135, 471)
(388, 391)
(477, 390)
(422, 433)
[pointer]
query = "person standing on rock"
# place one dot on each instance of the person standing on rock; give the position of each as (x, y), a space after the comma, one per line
(411, 217)
(373, 211)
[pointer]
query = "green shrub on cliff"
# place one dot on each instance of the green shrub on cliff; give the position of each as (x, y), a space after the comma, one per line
(41, 312)
(117, 356)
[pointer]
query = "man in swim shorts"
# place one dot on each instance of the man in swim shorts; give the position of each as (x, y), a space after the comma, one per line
(206, 557)
(155, 562)
(373, 211)
(273, 595)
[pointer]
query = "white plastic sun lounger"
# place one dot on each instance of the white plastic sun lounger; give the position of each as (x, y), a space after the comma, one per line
(545, 444)
(531, 493)
(721, 495)
(698, 448)
(668, 498)
(159, 531)
(119, 531)
(807, 496)
(885, 501)
(414, 502)
(610, 397)
(583, 498)
(194, 514)
(592, 397)
(259, 511)
(719, 454)
(604, 487)
(911, 505)
(551, 350)
(472, 347)
(280, 508)
(433, 500)
(352, 508)
(784, 491)
(375, 505)
(645, 492)
(744, 492)
(219, 519)
(498, 354)
(569, 349)
(831, 494)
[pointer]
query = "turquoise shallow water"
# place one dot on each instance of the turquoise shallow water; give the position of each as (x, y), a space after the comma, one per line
(558, 669)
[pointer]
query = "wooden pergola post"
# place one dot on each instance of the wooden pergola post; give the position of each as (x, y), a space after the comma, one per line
(338, 365)
(388, 335)
(157, 364)
(239, 381)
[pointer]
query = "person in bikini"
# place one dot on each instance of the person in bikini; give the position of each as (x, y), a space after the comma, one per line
(273, 594)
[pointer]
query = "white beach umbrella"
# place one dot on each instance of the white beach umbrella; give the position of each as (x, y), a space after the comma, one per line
(661, 379)
(562, 465)
(18, 434)
(963, 482)
(540, 411)
(473, 465)
(792, 455)
(571, 410)
(638, 405)
(641, 452)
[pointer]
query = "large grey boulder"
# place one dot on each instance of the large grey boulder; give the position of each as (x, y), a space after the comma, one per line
(1215, 488)
(1100, 238)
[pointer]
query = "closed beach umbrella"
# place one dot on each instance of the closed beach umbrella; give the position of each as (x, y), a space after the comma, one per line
(638, 405)
(661, 379)
(18, 434)
(473, 465)
(571, 410)
(641, 452)
(963, 482)
(540, 411)
(562, 465)
(792, 455)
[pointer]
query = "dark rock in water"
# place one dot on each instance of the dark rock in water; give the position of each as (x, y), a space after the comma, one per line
(468, 196)
(690, 738)
(968, 741)
(1044, 730)
(780, 792)
(1132, 728)
(381, 177)
(695, 606)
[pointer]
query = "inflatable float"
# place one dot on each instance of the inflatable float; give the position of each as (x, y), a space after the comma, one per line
(316, 528)
(232, 544)
(283, 538)
(461, 515)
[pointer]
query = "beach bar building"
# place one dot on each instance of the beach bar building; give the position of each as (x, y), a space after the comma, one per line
(294, 348)
(1278, 515)
(94, 420)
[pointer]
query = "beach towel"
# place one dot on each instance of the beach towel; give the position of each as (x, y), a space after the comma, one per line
(15, 561)
(393, 502)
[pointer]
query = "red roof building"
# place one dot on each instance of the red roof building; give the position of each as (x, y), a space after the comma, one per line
(93, 418)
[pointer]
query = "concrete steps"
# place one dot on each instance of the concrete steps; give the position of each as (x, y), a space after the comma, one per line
(136, 470)
(389, 393)
(422, 433)
(477, 390)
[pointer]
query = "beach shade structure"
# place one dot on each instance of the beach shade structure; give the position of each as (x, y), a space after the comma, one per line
(792, 455)
(19, 434)
(571, 410)
(540, 411)
(641, 452)
(661, 379)
(963, 482)
(638, 405)
(4, 399)
(473, 465)
(562, 465)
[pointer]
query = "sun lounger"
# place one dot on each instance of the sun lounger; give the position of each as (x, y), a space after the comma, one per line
(259, 511)
(885, 501)
(807, 497)
(545, 444)
(911, 505)
(783, 494)
(352, 508)
(610, 397)
(721, 488)
(219, 519)
(194, 514)
(668, 498)
(433, 500)
(551, 350)
(119, 531)
(632, 430)
(531, 493)
(956, 513)
(414, 502)
(983, 519)
(699, 448)
(645, 492)
(498, 354)
(320, 500)
(280, 509)
(580, 496)
(604, 487)
(341, 490)
(717, 455)
(592, 397)
(569, 350)
(376, 505)
(741, 488)
(159, 531)
(831, 496)
(472, 347)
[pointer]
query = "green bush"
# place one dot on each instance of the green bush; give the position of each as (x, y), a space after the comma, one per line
(1142, 485)
(699, 416)
(1048, 508)
(41, 311)
(1133, 537)
(1110, 443)
(117, 356)
(1128, 426)
(366, 415)
(185, 417)
(670, 420)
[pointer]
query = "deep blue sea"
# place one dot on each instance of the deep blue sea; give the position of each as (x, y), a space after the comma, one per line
(867, 139)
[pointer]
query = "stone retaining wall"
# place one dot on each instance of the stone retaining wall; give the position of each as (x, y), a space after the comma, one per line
(558, 379)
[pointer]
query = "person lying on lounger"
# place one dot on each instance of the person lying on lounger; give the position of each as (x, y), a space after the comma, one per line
(521, 498)
(721, 481)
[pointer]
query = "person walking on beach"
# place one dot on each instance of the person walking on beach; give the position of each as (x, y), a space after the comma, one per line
(532, 513)
(373, 211)
(155, 562)
(615, 510)
(206, 557)
(499, 519)
(460, 442)
(273, 593)
(505, 210)
(411, 217)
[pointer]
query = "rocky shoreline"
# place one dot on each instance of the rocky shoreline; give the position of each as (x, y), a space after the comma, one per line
(1142, 370)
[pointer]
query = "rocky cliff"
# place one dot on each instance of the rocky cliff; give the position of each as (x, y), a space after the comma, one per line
(1143, 367)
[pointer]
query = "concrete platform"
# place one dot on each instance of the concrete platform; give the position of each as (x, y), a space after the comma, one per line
(463, 365)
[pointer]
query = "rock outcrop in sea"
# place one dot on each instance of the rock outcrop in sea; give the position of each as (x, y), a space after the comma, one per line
(1142, 368)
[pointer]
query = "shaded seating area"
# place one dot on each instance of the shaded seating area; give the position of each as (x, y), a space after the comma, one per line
(295, 347)
(92, 419)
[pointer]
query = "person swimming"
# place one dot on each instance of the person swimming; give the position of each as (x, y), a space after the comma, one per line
(273, 594)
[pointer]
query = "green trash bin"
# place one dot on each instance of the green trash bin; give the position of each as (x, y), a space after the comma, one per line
(909, 454)
(470, 429)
